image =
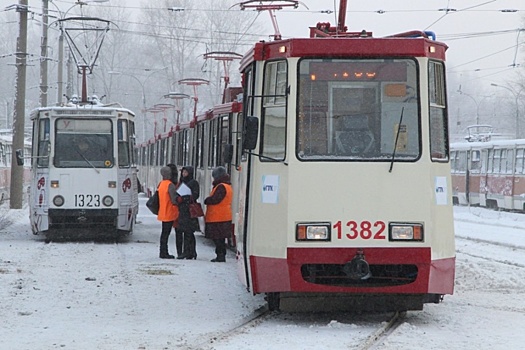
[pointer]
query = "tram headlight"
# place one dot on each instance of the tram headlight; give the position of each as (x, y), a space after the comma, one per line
(58, 201)
(405, 232)
(107, 201)
(313, 232)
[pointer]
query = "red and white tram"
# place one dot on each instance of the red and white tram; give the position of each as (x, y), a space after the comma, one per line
(339, 160)
(489, 174)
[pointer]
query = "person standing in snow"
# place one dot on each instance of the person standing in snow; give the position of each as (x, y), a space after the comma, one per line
(168, 210)
(219, 212)
(187, 225)
(178, 235)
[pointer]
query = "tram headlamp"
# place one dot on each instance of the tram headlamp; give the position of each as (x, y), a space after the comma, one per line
(405, 232)
(313, 232)
(112, 184)
(107, 201)
(58, 201)
(54, 184)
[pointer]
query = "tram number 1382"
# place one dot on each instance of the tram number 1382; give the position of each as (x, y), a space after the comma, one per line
(87, 200)
(364, 230)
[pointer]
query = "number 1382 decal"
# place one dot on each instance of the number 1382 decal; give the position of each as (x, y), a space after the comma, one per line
(364, 230)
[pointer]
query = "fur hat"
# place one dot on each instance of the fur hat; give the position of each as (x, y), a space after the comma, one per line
(218, 172)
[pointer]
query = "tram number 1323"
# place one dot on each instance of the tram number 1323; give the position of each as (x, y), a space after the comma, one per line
(364, 230)
(87, 200)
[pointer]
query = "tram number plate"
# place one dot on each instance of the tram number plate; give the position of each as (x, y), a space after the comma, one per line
(364, 230)
(87, 200)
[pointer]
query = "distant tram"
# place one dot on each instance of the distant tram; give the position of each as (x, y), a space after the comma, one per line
(337, 147)
(489, 174)
(84, 176)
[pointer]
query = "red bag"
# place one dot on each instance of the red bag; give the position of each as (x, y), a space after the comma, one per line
(196, 210)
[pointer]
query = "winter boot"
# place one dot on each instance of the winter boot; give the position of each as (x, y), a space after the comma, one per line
(163, 254)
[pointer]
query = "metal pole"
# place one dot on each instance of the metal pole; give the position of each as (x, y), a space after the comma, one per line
(43, 54)
(17, 172)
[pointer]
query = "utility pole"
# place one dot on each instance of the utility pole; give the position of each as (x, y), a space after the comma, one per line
(17, 172)
(43, 54)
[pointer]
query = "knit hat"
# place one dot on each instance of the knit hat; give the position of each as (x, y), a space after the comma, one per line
(218, 172)
(165, 172)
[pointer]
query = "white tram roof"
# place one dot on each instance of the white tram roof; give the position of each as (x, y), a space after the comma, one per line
(463, 146)
(109, 108)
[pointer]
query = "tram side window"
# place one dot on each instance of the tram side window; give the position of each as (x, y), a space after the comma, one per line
(475, 161)
(174, 144)
(238, 140)
(438, 112)
(43, 143)
(520, 154)
(225, 137)
(151, 152)
(214, 142)
(509, 162)
(200, 147)
(274, 111)
(459, 162)
(123, 144)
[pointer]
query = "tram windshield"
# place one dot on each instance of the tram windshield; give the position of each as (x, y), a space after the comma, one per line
(83, 143)
(365, 109)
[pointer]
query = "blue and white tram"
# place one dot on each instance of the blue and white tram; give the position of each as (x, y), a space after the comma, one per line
(84, 176)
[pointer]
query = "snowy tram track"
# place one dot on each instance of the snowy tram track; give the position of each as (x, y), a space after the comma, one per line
(385, 330)
(347, 330)
(246, 323)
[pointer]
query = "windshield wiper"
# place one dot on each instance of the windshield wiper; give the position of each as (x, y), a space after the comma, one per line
(87, 161)
(397, 137)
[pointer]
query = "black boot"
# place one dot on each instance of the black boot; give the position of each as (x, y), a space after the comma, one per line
(219, 258)
(164, 242)
(189, 247)
(220, 250)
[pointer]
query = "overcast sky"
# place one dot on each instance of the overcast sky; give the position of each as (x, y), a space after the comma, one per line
(482, 35)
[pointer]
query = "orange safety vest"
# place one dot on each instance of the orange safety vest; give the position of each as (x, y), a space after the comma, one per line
(221, 211)
(167, 211)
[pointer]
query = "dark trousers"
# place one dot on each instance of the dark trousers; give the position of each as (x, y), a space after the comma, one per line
(179, 240)
(164, 235)
(220, 247)
(187, 242)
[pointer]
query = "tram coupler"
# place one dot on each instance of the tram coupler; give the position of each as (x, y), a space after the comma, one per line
(358, 268)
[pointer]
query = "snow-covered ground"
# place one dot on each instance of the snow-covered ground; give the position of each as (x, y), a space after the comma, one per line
(85, 295)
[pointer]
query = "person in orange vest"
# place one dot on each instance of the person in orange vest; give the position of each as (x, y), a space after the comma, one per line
(218, 216)
(168, 210)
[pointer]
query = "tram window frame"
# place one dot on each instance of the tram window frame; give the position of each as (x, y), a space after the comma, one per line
(43, 143)
(199, 147)
(459, 162)
(240, 156)
(213, 130)
(325, 114)
(123, 144)
(520, 161)
(475, 161)
(96, 135)
(151, 152)
(225, 136)
(174, 148)
(274, 99)
(438, 112)
(509, 169)
(248, 107)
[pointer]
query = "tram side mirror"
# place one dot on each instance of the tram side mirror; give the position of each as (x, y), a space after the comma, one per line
(19, 157)
(251, 133)
(227, 153)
